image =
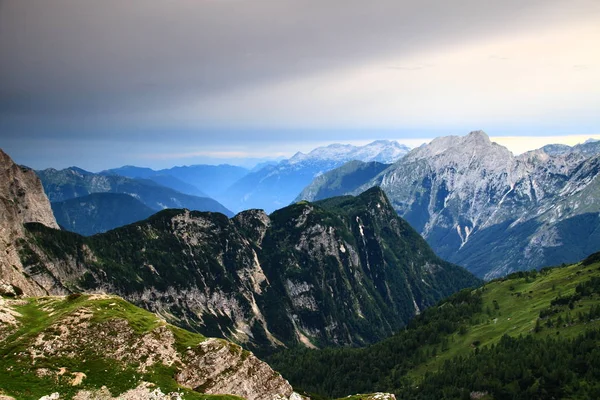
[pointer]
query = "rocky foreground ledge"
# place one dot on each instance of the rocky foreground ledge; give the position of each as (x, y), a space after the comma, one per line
(101, 347)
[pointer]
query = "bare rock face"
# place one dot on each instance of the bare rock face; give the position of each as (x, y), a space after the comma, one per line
(254, 223)
(219, 367)
(144, 391)
(22, 200)
(21, 187)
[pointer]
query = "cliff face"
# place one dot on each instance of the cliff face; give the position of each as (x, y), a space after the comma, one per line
(22, 200)
(343, 271)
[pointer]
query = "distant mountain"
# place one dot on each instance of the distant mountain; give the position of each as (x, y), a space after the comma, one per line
(341, 180)
(276, 186)
(99, 212)
(480, 206)
(383, 151)
(75, 182)
(161, 178)
(193, 179)
(343, 271)
(212, 179)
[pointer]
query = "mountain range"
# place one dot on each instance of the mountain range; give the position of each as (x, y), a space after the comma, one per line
(480, 206)
(99, 212)
(339, 271)
(186, 186)
(68, 183)
(276, 186)
(197, 180)
(89, 203)
(262, 280)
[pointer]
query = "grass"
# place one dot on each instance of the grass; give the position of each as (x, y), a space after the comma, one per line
(185, 339)
(140, 321)
(512, 307)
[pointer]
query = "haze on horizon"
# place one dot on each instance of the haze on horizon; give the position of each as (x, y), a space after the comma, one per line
(102, 84)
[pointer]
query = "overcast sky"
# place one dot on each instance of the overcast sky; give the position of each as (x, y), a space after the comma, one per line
(163, 82)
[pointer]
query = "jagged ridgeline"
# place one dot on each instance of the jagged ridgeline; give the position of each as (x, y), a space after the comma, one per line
(344, 271)
(482, 207)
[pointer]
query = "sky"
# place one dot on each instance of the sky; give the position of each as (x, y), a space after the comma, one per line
(100, 84)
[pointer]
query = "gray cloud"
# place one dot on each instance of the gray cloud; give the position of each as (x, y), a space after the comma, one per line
(61, 58)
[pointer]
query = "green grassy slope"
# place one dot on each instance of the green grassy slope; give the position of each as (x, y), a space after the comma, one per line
(469, 328)
(512, 306)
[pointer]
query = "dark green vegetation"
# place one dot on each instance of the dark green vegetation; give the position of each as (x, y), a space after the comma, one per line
(342, 180)
(99, 212)
(75, 182)
(99, 334)
(531, 335)
(345, 271)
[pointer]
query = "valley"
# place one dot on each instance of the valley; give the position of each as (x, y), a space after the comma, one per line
(484, 341)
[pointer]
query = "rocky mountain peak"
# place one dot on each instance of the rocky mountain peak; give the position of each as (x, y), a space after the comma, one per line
(22, 200)
(375, 197)
(378, 150)
(479, 136)
(22, 192)
(473, 151)
(254, 223)
(556, 149)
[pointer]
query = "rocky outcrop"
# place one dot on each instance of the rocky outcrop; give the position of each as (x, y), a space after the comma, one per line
(216, 366)
(105, 330)
(254, 223)
(22, 200)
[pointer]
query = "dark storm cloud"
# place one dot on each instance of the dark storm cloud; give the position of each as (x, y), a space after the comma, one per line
(60, 59)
